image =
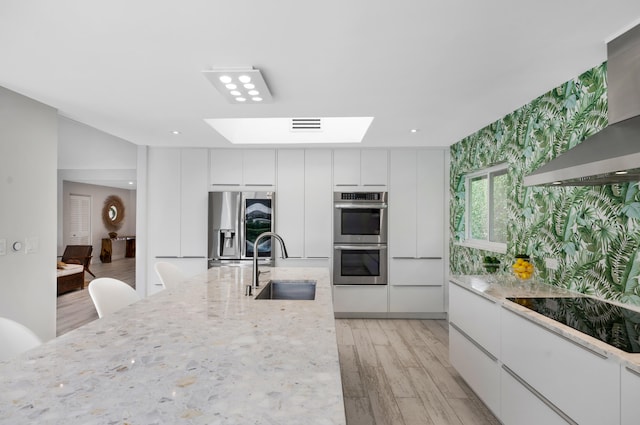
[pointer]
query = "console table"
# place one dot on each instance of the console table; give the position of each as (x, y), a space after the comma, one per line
(107, 247)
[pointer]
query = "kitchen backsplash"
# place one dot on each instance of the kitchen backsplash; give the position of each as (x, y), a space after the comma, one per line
(593, 232)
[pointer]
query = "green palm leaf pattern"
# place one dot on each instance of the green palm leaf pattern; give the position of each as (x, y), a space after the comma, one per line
(593, 232)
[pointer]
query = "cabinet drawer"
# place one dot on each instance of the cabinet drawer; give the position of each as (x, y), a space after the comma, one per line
(477, 316)
(581, 383)
(629, 397)
(360, 299)
(416, 271)
(416, 299)
(520, 406)
(478, 369)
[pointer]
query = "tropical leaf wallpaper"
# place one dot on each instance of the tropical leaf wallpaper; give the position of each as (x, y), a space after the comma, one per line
(593, 232)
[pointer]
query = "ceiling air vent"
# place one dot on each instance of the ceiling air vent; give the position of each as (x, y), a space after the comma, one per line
(306, 124)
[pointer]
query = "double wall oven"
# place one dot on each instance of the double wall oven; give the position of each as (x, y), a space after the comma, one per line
(360, 238)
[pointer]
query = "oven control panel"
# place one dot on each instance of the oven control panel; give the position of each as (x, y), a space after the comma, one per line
(361, 196)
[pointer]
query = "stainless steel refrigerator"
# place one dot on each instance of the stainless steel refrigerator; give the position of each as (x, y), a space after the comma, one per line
(235, 221)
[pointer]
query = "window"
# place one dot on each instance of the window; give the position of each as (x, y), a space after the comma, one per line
(486, 208)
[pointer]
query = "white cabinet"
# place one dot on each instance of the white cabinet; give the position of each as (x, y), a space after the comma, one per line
(417, 229)
(583, 384)
(523, 406)
(318, 204)
(355, 169)
(242, 167)
(474, 343)
(359, 299)
(478, 368)
(630, 391)
(176, 210)
(303, 202)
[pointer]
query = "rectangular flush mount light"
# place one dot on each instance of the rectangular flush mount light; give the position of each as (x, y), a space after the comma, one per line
(240, 85)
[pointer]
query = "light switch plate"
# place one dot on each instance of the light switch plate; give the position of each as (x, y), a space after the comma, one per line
(3, 247)
(31, 244)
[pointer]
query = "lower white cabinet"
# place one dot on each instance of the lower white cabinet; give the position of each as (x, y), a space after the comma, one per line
(478, 367)
(477, 316)
(583, 384)
(630, 393)
(360, 298)
(416, 299)
(521, 405)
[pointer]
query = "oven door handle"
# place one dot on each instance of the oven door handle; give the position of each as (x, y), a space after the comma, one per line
(361, 206)
(354, 247)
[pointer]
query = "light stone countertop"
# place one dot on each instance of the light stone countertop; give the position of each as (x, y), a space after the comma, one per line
(201, 353)
(497, 288)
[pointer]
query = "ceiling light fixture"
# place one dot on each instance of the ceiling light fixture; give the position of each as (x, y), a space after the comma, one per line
(176, 132)
(240, 85)
(414, 130)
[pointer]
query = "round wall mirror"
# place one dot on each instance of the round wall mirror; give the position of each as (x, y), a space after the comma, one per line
(113, 213)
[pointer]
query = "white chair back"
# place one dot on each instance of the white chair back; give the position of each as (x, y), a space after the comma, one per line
(170, 275)
(15, 338)
(110, 295)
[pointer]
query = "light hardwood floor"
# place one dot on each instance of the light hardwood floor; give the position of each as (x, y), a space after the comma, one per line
(394, 372)
(76, 308)
(397, 372)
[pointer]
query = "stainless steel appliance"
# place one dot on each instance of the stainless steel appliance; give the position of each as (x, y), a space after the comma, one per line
(360, 238)
(360, 217)
(360, 264)
(235, 221)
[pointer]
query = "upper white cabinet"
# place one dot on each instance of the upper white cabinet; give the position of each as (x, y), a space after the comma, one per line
(242, 167)
(364, 169)
(303, 202)
(176, 210)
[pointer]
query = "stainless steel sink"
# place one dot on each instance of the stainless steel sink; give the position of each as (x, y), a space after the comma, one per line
(288, 290)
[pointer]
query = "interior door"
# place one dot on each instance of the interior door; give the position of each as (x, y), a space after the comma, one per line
(80, 220)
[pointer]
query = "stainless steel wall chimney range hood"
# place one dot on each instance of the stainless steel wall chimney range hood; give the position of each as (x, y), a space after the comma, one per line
(613, 154)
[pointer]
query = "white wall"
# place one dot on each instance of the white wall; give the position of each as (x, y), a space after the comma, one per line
(28, 205)
(98, 194)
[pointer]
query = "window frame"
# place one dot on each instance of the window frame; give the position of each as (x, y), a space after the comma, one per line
(487, 244)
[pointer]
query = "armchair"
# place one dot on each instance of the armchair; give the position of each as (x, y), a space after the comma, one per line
(78, 254)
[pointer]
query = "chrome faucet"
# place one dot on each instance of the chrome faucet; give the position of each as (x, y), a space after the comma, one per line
(256, 272)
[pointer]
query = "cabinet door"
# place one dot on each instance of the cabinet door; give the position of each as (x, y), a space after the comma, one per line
(402, 204)
(290, 200)
(373, 168)
(476, 316)
(630, 392)
(346, 168)
(416, 271)
(430, 225)
(318, 203)
(226, 167)
(163, 202)
(193, 203)
(259, 167)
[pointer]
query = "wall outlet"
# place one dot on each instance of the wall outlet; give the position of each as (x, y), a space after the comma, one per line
(551, 263)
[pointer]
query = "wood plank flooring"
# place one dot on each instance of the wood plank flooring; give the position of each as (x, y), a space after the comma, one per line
(397, 372)
(394, 372)
(75, 308)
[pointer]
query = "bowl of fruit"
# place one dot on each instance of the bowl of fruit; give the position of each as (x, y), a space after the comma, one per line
(523, 267)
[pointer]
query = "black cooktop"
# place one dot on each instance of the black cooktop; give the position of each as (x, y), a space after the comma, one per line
(617, 326)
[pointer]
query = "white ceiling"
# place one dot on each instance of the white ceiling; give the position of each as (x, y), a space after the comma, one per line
(134, 68)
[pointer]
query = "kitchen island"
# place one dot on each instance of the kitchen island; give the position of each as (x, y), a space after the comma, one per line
(200, 353)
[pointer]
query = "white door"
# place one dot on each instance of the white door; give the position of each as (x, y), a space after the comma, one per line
(80, 220)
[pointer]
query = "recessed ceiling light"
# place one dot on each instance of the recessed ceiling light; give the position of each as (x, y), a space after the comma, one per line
(414, 130)
(249, 86)
(225, 79)
(253, 92)
(244, 78)
(130, 182)
(235, 93)
(175, 132)
(241, 99)
(256, 99)
(231, 86)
